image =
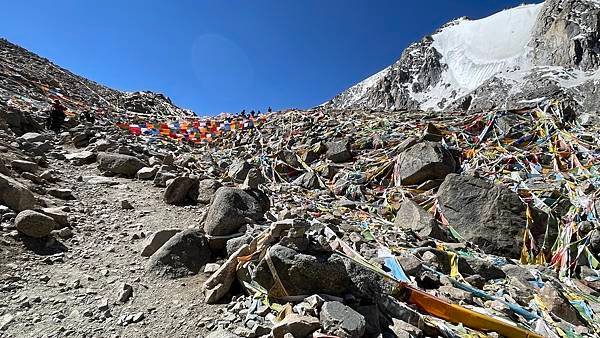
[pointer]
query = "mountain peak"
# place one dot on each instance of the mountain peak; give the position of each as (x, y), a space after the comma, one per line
(506, 60)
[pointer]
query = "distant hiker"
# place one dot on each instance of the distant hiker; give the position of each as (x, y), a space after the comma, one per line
(269, 110)
(57, 116)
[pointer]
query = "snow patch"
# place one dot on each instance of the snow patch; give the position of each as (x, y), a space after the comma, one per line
(476, 50)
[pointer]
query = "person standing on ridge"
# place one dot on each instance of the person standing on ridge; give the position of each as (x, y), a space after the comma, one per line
(57, 116)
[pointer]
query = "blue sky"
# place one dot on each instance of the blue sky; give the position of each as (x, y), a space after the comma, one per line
(226, 55)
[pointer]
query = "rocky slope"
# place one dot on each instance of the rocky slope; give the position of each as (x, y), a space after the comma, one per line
(27, 77)
(511, 59)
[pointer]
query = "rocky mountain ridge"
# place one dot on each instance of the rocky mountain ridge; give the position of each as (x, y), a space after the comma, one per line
(36, 80)
(510, 60)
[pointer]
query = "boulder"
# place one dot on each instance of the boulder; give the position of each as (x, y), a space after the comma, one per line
(34, 224)
(63, 194)
(82, 157)
(181, 190)
(119, 164)
(558, 305)
(157, 240)
(308, 180)
(296, 325)
(15, 195)
(59, 215)
(491, 216)
(238, 170)
(253, 179)
(232, 208)
(321, 272)
(342, 321)
(207, 189)
(425, 161)
(147, 173)
(338, 151)
(184, 254)
(164, 174)
(33, 137)
(24, 166)
(412, 216)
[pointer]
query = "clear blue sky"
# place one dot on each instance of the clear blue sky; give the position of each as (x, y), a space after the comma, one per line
(225, 55)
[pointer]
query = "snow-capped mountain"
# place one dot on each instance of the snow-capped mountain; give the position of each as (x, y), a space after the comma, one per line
(511, 59)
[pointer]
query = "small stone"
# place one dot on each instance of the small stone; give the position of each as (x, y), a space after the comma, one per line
(126, 205)
(342, 321)
(211, 267)
(125, 292)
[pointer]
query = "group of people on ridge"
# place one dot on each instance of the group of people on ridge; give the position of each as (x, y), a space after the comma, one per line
(58, 113)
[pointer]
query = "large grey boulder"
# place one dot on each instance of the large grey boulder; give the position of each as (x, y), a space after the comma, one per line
(320, 272)
(184, 254)
(207, 189)
(181, 190)
(425, 161)
(342, 321)
(34, 224)
(15, 195)
(491, 216)
(119, 164)
(232, 208)
(338, 151)
(238, 170)
(412, 216)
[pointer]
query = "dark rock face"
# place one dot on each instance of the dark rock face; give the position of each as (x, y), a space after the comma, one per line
(425, 161)
(490, 216)
(232, 208)
(119, 164)
(184, 254)
(567, 34)
(418, 67)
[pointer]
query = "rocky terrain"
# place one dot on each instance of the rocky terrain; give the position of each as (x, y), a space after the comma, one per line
(327, 222)
(510, 60)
